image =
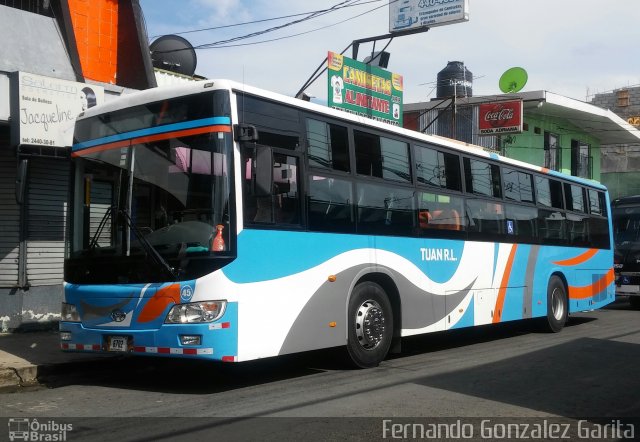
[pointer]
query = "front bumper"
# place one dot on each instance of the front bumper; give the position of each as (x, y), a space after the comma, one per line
(219, 339)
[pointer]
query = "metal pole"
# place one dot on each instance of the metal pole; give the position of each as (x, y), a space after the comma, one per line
(356, 44)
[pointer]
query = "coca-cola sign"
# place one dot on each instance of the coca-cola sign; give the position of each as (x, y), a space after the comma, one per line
(503, 117)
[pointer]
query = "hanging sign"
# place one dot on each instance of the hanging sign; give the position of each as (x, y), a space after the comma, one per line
(503, 117)
(365, 90)
(413, 14)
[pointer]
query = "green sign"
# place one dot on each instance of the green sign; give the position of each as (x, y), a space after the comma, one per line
(365, 90)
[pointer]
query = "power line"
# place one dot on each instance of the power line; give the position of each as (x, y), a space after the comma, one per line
(223, 43)
(264, 20)
(276, 28)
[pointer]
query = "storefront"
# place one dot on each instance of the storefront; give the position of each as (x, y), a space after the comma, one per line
(36, 133)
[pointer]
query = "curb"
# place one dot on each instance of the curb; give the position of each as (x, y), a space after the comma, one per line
(32, 375)
(18, 377)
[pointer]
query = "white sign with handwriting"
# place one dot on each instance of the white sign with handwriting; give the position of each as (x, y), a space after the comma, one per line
(47, 108)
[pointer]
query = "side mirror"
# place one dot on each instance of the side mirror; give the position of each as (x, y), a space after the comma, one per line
(245, 132)
(264, 171)
(21, 180)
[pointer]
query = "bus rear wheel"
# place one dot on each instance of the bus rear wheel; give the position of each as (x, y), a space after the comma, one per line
(557, 305)
(370, 325)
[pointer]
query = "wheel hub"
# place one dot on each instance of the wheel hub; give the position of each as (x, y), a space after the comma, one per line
(370, 324)
(557, 304)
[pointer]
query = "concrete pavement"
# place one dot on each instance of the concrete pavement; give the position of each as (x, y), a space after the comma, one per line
(24, 356)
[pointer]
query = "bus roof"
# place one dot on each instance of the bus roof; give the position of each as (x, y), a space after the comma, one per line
(632, 200)
(166, 92)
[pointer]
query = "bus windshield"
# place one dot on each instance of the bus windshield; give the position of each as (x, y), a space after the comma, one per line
(626, 225)
(156, 205)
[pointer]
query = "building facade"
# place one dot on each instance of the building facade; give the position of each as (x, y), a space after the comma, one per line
(621, 162)
(58, 58)
(558, 133)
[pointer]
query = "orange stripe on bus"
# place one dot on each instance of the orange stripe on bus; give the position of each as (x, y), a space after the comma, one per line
(586, 256)
(151, 138)
(159, 302)
(592, 289)
(502, 292)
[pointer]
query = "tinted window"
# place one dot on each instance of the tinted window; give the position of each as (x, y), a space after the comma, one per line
(381, 157)
(597, 205)
(442, 212)
(551, 226)
(548, 192)
(578, 229)
(482, 178)
(328, 145)
(330, 208)
(175, 110)
(574, 196)
(283, 205)
(486, 217)
(522, 222)
(277, 125)
(599, 232)
(438, 169)
(517, 185)
(385, 210)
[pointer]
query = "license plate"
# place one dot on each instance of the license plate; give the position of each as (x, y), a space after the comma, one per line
(118, 343)
(627, 289)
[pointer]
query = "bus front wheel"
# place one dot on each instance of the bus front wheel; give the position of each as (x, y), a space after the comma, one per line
(370, 328)
(557, 305)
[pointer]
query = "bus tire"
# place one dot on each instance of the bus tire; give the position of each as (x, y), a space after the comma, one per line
(557, 305)
(634, 301)
(370, 325)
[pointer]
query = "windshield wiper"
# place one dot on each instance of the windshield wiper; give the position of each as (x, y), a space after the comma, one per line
(146, 245)
(103, 222)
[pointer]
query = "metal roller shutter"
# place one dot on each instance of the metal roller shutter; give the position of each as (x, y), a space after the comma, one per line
(9, 222)
(46, 218)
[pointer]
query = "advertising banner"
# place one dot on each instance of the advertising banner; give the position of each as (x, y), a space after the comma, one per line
(411, 14)
(44, 109)
(504, 117)
(365, 90)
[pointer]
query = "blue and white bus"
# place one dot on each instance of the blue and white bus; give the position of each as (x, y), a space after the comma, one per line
(214, 220)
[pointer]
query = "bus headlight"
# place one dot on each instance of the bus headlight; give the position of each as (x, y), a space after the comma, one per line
(195, 312)
(69, 313)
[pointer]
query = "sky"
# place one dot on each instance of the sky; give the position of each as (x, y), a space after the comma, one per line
(575, 48)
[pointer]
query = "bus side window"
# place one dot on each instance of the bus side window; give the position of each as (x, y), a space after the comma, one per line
(486, 217)
(330, 205)
(384, 210)
(439, 211)
(286, 200)
(283, 205)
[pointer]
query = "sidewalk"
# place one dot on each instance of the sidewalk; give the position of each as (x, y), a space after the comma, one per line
(26, 355)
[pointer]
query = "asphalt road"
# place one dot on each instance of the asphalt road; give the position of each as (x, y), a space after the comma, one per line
(511, 373)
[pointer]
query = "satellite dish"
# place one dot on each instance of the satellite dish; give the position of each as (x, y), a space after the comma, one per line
(173, 53)
(513, 80)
